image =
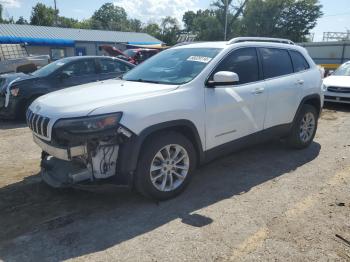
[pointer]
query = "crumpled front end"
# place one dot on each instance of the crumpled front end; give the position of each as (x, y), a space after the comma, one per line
(70, 159)
(85, 164)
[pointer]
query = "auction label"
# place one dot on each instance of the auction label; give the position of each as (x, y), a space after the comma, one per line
(201, 59)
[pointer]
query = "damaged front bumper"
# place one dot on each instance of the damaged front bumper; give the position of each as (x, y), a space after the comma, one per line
(61, 153)
(92, 162)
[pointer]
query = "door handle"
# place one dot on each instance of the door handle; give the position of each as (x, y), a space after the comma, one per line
(300, 82)
(258, 90)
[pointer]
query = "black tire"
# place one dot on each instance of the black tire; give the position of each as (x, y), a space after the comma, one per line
(294, 139)
(152, 146)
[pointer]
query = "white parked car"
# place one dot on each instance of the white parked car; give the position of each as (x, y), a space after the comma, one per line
(337, 85)
(181, 108)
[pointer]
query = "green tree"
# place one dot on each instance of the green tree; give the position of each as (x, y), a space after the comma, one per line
(109, 17)
(204, 24)
(153, 30)
(134, 25)
(21, 21)
(1, 13)
(208, 26)
(292, 19)
(169, 30)
(234, 9)
(67, 22)
(84, 24)
(189, 19)
(43, 15)
(5, 21)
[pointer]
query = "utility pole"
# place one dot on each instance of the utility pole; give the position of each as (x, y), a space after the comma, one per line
(56, 14)
(226, 13)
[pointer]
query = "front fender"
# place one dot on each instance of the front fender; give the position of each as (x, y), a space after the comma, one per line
(130, 150)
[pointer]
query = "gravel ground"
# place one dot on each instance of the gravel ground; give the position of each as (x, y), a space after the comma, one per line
(266, 203)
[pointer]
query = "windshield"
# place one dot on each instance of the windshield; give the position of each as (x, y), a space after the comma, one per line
(50, 68)
(130, 53)
(343, 70)
(173, 66)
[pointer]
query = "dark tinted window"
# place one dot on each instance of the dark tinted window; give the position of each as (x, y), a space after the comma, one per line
(243, 62)
(299, 62)
(79, 68)
(276, 62)
(113, 66)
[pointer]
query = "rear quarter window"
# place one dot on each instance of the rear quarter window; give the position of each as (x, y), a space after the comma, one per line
(299, 61)
(276, 62)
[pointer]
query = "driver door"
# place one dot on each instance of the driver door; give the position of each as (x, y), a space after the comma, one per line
(78, 73)
(236, 111)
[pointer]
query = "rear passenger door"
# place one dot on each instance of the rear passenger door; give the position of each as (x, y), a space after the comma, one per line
(302, 71)
(112, 68)
(282, 85)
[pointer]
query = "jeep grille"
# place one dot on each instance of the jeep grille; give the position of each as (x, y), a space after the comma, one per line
(37, 123)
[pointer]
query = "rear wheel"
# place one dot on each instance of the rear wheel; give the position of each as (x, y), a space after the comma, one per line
(165, 167)
(304, 128)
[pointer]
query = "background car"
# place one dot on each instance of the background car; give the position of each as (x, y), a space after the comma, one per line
(134, 56)
(337, 85)
(138, 55)
(18, 91)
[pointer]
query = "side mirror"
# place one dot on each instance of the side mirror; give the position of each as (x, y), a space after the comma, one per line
(223, 78)
(62, 76)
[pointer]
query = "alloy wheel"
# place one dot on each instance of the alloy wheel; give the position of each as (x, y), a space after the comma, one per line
(307, 127)
(169, 168)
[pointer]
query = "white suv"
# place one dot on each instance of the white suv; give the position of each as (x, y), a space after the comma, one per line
(181, 108)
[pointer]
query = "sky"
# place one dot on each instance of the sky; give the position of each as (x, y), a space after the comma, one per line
(336, 12)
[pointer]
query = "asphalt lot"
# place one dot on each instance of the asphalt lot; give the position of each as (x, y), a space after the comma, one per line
(266, 203)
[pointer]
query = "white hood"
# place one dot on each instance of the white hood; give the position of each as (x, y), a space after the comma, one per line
(339, 81)
(82, 100)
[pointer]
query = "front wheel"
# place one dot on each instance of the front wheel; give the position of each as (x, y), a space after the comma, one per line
(165, 166)
(304, 128)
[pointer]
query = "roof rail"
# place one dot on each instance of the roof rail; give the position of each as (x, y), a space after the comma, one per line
(260, 39)
(187, 43)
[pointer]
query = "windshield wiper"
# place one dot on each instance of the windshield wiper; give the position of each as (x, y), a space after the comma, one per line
(144, 81)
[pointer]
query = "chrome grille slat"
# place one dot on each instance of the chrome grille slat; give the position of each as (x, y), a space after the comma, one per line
(34, 123)
(337, 89)
(30, 121)
(42, 125)
(37, 123)
(46, 124)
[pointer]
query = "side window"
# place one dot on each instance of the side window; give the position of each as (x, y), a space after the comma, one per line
(113, 66)
(243, 62)
(299, 62)
(276, 62)
(121, 67)
(80, 68)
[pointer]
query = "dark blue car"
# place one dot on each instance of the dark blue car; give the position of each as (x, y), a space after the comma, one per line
(19, 90)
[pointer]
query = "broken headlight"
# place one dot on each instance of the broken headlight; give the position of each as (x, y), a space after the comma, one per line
(89, 124)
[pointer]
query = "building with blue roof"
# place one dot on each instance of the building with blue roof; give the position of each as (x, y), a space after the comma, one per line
(61, 42)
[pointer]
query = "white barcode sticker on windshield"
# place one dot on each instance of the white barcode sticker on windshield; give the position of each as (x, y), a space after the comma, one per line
(201, 59)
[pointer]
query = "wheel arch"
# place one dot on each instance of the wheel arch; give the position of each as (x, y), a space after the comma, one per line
(313, 100)
(130, 150)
